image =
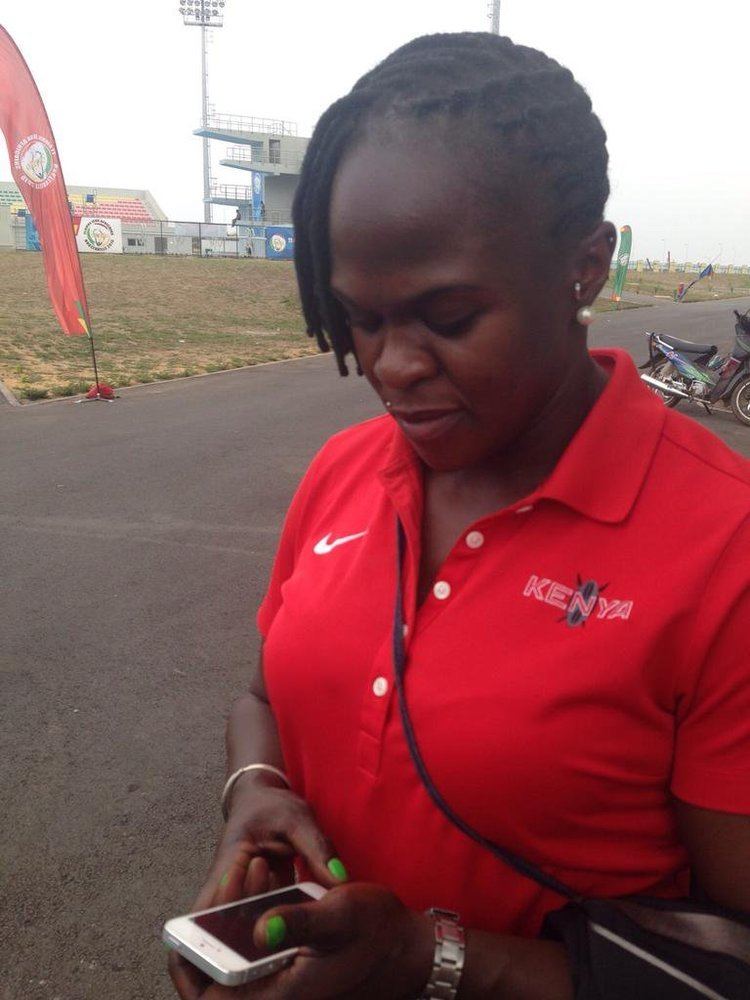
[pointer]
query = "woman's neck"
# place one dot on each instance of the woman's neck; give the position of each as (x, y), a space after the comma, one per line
(528, 462)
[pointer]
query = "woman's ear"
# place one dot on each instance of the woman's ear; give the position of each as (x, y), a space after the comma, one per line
(593, 260)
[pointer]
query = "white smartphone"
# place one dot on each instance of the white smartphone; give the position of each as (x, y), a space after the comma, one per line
(219, 941)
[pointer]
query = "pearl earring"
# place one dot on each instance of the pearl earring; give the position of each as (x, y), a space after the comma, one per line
(585, 315)
(388, 405)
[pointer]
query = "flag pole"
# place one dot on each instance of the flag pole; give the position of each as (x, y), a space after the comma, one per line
(93, 359)
(86, 324)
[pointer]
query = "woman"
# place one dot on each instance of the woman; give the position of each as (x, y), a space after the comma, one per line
(561, 530)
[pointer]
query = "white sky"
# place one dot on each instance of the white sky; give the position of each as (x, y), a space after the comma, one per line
(669, 79)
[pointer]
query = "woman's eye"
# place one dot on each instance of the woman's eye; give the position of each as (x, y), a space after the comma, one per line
(454, 327)
(369, 324)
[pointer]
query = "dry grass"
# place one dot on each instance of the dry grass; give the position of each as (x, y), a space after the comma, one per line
(604, 303)
(153, 318)
(718, 286)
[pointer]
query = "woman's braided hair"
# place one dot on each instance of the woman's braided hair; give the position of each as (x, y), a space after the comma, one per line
(513, 93)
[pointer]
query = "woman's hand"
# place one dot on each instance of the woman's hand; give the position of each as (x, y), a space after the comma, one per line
(268, 827)
(273, 823)
(358, 942)
(245, 875)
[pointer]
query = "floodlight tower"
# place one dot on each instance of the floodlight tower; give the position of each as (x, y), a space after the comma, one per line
(204, 14)
(494, 15)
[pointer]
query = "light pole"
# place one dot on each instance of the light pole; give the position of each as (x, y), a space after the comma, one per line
(494, 15)
(204, 14)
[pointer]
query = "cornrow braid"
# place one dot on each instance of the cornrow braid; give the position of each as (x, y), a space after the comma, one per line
(523, 99)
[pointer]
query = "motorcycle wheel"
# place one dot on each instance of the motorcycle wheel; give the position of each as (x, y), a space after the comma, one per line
(740, 402)
(659, 371)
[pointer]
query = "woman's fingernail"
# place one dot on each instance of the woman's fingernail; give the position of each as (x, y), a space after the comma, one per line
(224, 879)
(275, 932)
(336, 868)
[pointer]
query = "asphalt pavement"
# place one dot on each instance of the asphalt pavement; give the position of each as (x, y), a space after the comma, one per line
(137, 538)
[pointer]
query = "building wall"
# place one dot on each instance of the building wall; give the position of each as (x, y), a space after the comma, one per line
(280, 195)
(6, 228)
(284, 149)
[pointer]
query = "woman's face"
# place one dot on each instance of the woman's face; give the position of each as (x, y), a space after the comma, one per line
(457, 321)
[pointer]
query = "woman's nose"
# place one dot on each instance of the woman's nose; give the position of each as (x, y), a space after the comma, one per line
(404, 358)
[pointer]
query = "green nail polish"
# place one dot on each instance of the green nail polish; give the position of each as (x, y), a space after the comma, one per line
(275, 932)
(336, 868)
(224, 879)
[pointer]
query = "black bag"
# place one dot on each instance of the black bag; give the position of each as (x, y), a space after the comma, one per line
(637, 948)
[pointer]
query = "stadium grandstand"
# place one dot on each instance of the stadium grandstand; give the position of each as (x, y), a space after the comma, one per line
(133, 207)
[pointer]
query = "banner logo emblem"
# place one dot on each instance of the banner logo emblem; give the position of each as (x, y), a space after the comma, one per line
(278, 243)
(98, 235)
(34, 159)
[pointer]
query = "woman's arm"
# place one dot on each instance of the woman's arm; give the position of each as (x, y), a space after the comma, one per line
(514, 968)
(518, 969)
(279, 823)
(719, 847)
(252, 736)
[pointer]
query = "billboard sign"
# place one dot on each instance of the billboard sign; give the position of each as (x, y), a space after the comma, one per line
(280, 242)
(97, 235)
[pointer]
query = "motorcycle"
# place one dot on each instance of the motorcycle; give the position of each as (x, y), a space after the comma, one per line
(680, 369)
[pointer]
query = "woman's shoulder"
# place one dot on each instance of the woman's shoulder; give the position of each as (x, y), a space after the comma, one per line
(359, 444)
(715, 466)
(355, 453)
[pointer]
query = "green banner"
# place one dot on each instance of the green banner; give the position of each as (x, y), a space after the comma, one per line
(623, 259)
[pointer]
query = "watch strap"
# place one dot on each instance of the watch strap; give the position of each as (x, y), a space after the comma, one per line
(448, 961)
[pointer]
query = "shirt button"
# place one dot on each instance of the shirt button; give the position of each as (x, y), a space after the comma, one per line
(379, 687)
(475, 539)
(441, 590)
(526, 509)
(405, 631)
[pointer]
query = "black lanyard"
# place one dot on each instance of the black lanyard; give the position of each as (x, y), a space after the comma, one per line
(399, 669)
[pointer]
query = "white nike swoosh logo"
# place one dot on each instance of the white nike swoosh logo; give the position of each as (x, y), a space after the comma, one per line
(325, 545)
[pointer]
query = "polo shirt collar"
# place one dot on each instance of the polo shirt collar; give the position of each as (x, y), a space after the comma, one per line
(600, 473)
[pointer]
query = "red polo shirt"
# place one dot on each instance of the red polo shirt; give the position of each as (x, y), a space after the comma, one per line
(582, 654)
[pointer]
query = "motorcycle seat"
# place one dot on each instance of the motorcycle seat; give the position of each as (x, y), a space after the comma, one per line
(686, 346)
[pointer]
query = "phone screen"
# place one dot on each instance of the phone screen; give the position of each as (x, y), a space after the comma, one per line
(233, 925)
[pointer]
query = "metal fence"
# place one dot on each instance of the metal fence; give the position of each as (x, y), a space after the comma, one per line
(185, 239)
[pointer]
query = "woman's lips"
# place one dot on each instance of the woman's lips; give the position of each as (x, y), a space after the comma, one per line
(424, 425)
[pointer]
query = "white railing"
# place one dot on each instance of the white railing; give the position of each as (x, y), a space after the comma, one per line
(233, 192)
(242, 154)
(243, 123)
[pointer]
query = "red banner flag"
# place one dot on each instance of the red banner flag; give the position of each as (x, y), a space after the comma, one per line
(35, 165)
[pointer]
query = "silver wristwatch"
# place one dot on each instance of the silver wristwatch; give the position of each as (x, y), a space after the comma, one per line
(448, 963)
